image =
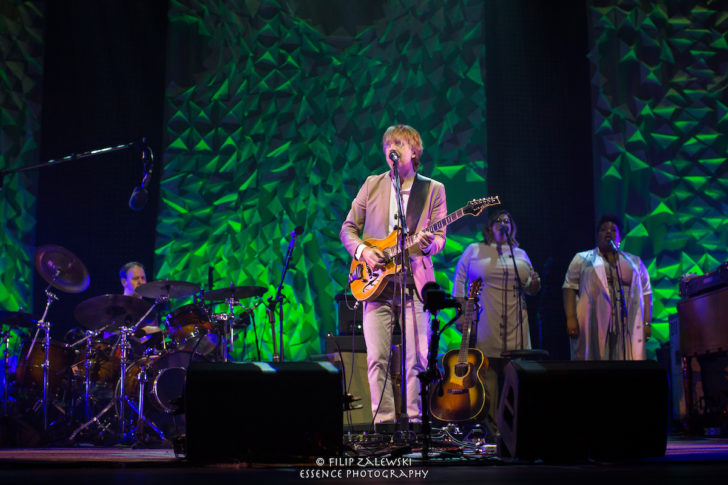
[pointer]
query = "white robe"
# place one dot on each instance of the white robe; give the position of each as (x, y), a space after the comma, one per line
(498, 328)
(588, 276)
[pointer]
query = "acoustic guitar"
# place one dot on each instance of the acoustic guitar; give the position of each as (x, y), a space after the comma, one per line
(460, 395)
(367, 283)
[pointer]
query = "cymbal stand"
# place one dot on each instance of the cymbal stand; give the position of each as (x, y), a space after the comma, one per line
(46, 327)
(142, 376)
(125, 347)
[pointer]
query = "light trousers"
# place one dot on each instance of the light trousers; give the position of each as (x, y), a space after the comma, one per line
(378, 323)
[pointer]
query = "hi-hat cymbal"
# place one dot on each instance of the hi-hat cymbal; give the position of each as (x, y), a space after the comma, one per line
(61, 269)
(17, 319)
(234, 292)
(103, 310)
(167, 288)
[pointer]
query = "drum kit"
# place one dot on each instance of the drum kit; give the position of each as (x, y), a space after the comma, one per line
(124, 372)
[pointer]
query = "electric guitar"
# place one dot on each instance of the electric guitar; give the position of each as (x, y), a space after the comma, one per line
(367, 283)
(460, 395)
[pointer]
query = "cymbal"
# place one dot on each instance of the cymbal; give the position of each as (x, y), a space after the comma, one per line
(234, 292)
(170, 289)
(17, 319)
(61, 269)
(103, 310)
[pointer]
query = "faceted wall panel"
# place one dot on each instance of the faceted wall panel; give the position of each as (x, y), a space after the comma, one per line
(275, 114)
(660, 117)
(21, 69)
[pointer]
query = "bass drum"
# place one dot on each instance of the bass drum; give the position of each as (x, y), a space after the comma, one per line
(166, 374)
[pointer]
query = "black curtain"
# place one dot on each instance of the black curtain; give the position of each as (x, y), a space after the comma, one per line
(103, 86)
(539, 141)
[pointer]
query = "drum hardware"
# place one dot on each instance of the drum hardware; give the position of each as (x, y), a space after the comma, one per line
(88, 339)
(190, 328)
(232, 296)
(125, 347)
(114, 305)
(234, 292)
(63, 270)
(138, 431)
(45, 326)
(6, 363)
(168, 289)
(13, 320)
(108, 310)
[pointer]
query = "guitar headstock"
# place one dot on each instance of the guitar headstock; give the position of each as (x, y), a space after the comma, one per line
(474, 289)
(476, 206)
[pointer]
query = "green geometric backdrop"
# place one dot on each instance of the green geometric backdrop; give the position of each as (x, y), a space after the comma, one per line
(659, 95)
(21, 71)
(274, 122)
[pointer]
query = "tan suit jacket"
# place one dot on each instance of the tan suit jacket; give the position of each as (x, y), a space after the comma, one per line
(369, 219)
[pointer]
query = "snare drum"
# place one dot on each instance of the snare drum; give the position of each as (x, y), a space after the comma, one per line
(191, 329)
(30, 368)
(166, 374)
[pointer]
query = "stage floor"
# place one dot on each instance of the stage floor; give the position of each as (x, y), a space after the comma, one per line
(686, 461)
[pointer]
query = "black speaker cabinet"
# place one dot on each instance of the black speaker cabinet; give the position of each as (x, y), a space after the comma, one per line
(573, 411)
(263, 412)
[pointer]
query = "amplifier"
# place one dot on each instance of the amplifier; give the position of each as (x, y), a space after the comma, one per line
(692, 285)
(350, 316)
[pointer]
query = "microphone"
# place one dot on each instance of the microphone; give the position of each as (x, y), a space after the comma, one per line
(394, 156)
(140, 195)
(138, 198)
(613, 246)
(297, 231)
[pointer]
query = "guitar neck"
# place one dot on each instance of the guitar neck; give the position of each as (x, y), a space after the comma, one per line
(467, 329)
(444, 222)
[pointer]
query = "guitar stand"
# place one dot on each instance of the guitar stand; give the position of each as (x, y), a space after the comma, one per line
(429, 376)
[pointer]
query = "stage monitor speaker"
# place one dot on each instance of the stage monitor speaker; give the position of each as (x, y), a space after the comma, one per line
(573, 411)
(263, 412)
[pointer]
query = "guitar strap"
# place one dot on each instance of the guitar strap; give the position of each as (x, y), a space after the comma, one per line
(418, 196)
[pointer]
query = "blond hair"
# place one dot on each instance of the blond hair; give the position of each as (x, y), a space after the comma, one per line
(408, 134)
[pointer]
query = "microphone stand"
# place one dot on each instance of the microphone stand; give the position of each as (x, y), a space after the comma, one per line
(402, 421)
(279, 300)
(68, 158)
(520, 291)
(623, 330)
(520, 353)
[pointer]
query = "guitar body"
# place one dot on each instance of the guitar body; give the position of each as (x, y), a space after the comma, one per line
(367, 284)
(460, 395)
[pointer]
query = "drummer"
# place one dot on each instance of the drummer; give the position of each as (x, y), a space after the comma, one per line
(132, 275)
